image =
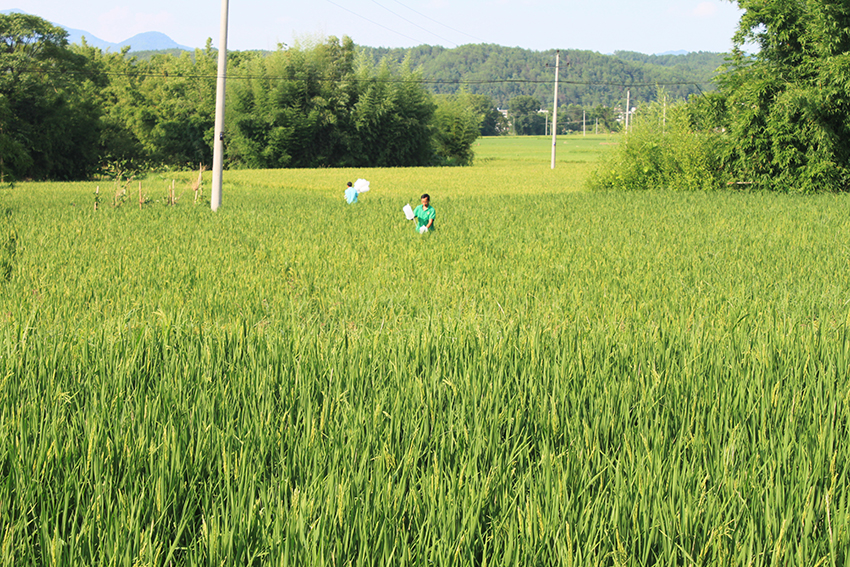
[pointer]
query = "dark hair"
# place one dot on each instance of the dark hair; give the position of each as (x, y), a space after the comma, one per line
(425, 196)
(349, 183)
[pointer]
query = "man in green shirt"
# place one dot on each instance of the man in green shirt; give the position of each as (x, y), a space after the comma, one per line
(424, 215)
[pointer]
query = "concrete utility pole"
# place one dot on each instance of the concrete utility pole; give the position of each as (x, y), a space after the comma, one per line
(628, 103)
(555, 113)
(218, 143)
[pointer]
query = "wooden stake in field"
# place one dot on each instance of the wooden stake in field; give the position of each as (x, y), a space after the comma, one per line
(197, 186)
(140, 195)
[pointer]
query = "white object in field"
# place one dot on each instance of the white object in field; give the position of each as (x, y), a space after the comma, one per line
(408, 212)
(423, 229)
(361, 185)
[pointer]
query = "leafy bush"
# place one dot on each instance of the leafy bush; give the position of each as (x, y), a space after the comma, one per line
(456, 128)
(668, 147)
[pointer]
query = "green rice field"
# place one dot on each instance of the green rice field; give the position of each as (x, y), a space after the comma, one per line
(554, 376)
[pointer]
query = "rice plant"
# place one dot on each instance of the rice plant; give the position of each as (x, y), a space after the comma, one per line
(554, 377)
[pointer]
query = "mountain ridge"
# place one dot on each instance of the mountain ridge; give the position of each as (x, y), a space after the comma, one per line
(146, 41)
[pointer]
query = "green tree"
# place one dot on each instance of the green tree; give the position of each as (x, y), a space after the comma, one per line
(492, 121)
(175, 124)
(292, 109)
(120, 100)
(788, 106)
(456, 129)
(524, 115)
(49, 123)
(317, 105)
(393, 119)
(605, 116)
(571, 118)
(668, 147)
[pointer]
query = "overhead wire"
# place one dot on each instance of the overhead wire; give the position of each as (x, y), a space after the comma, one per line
(440, 23)
(413, 23)
(373, 22)
(396, 14)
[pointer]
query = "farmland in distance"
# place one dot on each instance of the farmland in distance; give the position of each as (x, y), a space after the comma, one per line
(552, 377)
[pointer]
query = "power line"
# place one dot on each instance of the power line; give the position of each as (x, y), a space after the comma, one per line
(436, 22)
(373, 22)
(413, 23)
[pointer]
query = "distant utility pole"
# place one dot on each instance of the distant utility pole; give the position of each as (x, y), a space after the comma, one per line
(628, 105)
(584, 123)
(555, 112)
(218, 143)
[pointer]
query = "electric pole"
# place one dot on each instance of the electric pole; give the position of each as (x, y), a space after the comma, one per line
(555, 112)
(218, 143)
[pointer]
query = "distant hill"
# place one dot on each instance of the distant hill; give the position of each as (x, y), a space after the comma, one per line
(587, 78)
(148, 41)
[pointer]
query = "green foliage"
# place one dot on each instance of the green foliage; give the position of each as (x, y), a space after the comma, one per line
(668, 147)
(492, 122)
(289, 110)
(317, 106)
(590, 78)
(72, 112)
(524, 115)
(780, 121)
(597, 378)
(48, 123)
(456, 127)
(789, 104)
(393, 119)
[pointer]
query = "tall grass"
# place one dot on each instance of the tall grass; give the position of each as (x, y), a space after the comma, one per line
(551, 378)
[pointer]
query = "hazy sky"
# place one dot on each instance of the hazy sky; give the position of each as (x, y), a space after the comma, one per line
(647, 26)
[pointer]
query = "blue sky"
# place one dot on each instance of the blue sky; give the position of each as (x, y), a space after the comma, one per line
(648, 26)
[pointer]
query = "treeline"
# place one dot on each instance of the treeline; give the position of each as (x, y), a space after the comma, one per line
(71, 111)
(588, 79)
(779, 120)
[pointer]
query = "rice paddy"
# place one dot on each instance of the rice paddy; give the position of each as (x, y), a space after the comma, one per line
(552, 377)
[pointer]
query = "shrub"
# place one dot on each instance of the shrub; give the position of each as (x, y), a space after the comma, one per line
(669, 147)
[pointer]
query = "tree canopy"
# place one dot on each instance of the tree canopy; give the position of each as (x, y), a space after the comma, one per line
(588, 78)
(780, 119)
(71, 111)
(43, 82)
(788, 105)
(67, 112)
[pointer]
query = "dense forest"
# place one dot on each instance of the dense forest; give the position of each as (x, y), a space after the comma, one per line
(73, 111)
(587, 78)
